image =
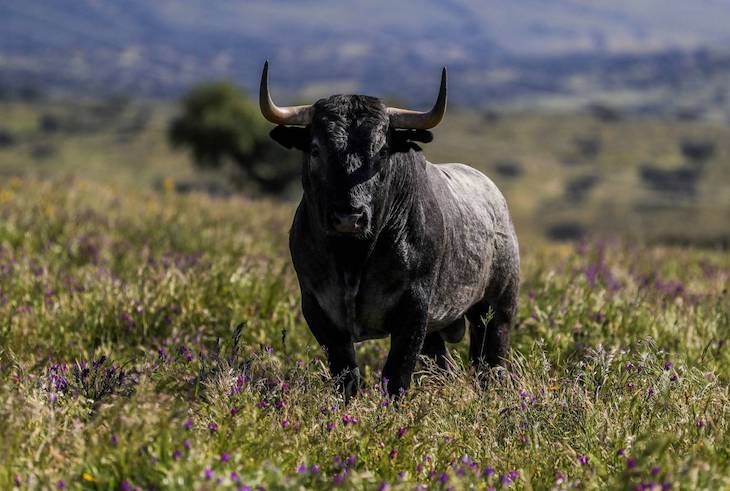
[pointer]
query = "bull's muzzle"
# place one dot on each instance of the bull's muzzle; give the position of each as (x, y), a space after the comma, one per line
(349, 222)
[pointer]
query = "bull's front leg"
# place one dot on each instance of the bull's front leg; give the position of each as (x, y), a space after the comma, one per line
(337, 343)
(408, 324)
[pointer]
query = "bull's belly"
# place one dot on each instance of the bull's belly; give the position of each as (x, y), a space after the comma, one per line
(442, 314)
(369, 321)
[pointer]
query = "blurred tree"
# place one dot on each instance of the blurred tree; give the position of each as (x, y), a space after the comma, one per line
(219, 123)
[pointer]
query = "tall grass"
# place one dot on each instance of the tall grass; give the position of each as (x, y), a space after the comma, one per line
(155, 341)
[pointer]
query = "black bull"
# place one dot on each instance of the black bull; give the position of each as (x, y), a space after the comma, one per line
(386, 243)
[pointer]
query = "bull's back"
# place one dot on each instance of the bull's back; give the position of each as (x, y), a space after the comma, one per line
(475, 216)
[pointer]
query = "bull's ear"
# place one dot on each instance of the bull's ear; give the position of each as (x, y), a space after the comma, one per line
(404, 140)
(291, 137)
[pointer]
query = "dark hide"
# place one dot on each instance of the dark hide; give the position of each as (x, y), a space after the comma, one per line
(426, 245)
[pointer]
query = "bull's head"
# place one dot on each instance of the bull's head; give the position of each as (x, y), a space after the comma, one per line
(348, 144)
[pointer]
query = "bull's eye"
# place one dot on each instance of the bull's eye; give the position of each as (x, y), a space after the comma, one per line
(314, 151)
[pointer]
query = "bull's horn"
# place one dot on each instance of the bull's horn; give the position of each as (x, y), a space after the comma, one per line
(405, 118)
(291, 115)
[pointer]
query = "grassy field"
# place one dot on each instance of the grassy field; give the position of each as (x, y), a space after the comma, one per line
(154, 340)
(151, 337)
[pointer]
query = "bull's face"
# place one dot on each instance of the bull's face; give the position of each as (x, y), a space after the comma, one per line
(346, 172)
(347, 148)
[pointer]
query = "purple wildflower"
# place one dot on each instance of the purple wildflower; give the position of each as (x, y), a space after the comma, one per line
(285, 424)
(383, 486)
(302, 469)
(393, 453)
(330, 426)
(176, 454)
(620, 452)
(234, 476)
(699, 424)
(208, 473)
(114, 440)
(225, 457)
(668, 366)
(444, 478)
(187, 444)
(314, 469)
(655, 470)
(125, 486)
(488, 471)
(338, 479)
(401, 432)
(583, 459)
(188, 425)
(61, 484)
(631, 463)
(649, 392)
(213, 426)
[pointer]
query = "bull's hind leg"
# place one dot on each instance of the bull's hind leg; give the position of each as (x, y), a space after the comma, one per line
(435, 348)
(488, 336)
(490, 322)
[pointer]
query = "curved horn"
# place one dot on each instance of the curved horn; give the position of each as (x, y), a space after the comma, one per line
(405, 118)
(291, 115)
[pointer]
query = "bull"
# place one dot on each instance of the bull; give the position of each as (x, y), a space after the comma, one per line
(385, 243)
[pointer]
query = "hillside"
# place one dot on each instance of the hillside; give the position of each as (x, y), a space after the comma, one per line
(668, 55)
(566, 175)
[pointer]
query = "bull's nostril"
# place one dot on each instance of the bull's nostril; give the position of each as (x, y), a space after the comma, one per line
(360, 220)
(349, 222)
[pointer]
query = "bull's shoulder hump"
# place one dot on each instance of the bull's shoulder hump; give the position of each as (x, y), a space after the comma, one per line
(464, 178)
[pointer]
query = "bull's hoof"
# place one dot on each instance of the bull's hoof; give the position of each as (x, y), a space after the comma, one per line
(351, 383)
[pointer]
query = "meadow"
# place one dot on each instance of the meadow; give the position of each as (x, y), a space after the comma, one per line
(151, 339)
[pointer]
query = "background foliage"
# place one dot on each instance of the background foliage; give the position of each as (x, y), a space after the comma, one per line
(218, 123)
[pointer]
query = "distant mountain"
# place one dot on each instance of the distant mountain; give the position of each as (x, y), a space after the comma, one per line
(497, 50)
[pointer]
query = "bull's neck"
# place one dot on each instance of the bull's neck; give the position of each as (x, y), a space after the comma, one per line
(404, 192)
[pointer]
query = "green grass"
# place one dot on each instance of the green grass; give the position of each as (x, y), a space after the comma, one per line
(150, 339)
